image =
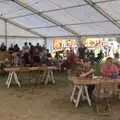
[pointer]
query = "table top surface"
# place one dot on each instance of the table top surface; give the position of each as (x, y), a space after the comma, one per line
(31, 68)
(92, 81)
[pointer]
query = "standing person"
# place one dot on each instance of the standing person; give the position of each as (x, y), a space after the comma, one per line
(26, 53)
(48, 57)
(26, 47)
(37, 54)
(81, 51)
(3, 47)
(99, 56)
(16, 55)
(31, 53)
(16, 48)
(11, 50)
(70, 62)
(57, 55)
(71, 59)
(38, 47)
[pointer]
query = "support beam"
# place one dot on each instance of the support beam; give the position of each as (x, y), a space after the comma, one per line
(105, 1)
(21, 16)
(26, 37)
(97, 35)
(22, 27)
(102, 12)
(45, 17)
(74, 6)
(70, 24)
(52, 26)
(4, 1)
(65, 8)
(101, 35)
(62, 37)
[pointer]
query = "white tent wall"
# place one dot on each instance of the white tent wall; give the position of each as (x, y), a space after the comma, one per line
(49, 44)
(2, 40)
(2, 27)
(16, 35)
(21, 41)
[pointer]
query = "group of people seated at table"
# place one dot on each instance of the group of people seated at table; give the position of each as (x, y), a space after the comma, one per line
(108, 69)
(86, 68)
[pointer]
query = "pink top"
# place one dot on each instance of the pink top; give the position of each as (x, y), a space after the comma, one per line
(109, 70)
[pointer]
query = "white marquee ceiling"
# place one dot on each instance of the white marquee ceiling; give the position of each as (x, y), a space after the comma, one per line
(55, 18)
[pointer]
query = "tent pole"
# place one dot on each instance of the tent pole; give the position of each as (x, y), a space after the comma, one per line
(6, 33)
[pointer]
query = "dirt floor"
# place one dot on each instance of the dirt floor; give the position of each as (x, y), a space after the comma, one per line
(51, 102)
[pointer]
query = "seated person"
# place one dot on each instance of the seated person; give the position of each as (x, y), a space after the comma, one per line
(87, 70)
(109, 69)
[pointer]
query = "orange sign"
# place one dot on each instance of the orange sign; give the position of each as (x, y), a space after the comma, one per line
(61, 44)
(57, 44)
(93, 42)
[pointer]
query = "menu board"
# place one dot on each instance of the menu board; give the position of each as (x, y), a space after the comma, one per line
(64, 43)
(90, 43)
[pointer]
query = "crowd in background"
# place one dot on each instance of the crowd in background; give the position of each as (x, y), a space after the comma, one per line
(28, 55)
(35, 55)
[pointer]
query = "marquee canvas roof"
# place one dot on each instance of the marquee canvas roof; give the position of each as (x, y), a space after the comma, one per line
(59, 18)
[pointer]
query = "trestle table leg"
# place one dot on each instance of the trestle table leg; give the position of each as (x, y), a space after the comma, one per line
(79, 95)
(43, 76)
(73, 93)
(10, 79)
(16, 79)
(52, 77)
(87, 96)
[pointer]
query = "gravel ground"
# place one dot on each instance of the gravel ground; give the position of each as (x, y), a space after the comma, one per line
(51, 102)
